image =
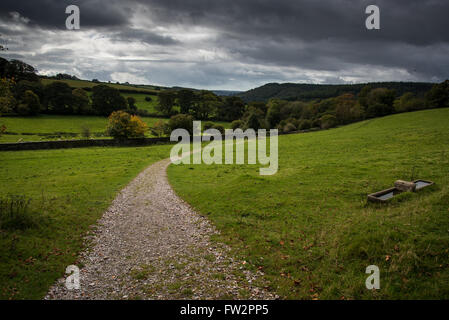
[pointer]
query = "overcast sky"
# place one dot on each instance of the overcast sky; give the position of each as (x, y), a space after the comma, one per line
(232, 44)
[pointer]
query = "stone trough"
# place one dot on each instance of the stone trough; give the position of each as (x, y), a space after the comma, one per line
(400, 186)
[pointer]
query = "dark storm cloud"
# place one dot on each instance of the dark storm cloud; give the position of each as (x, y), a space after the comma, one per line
(51, 13)
(414, 21)
(257, 40)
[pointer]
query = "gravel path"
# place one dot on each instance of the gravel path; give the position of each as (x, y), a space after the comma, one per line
(150, 244)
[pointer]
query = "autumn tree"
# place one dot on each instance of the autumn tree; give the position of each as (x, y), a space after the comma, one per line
(123, 125)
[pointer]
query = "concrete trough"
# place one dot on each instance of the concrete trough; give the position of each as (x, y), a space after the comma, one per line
(400, 187)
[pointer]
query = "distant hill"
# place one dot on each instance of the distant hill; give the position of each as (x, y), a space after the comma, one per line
(226, 93)
(305, 92)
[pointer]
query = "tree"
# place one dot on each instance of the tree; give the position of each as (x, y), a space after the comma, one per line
(123, 125)
(181, 121)
(232, 109)
(166, 102)
(7, 100)
(253, 122)
(380, 102)
(106, 100)
(363, 96)
(30, 105)
(58, 98)
(344, 107)
(24, 85)
(185, 97)
(438, 96)
(131, 103)
(81, 101)
(205, 104)
(274, 112)
(409, 102)
(20, 70)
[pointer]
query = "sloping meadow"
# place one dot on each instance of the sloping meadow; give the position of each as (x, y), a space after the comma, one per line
(310, 228)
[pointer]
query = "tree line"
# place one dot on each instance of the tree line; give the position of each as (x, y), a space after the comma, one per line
(22, 92)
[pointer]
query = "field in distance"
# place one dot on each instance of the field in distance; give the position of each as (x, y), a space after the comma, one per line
(53, 127)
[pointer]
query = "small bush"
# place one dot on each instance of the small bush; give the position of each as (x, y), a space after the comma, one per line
(289, 127)
(123, 125)
(159, 128)
(236, 124)
(85, 132)
(181, 121)
(220, 128)
(305, 125)
(15, 213)
(208, 125)
(328, 121)
(148, 99)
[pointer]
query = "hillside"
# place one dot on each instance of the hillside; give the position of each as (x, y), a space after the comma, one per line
(309, 227)
(303, 91)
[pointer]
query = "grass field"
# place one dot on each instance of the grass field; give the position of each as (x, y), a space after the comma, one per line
(69, 189)
(90, 84)
(51, 127)
(310, 228)
(142, 104)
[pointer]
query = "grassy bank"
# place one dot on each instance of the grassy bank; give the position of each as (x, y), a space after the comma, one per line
(69, 190)
(309, 227)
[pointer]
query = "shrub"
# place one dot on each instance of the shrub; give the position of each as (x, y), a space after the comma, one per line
(148, 99)
(316, 123)
(289, 127)
(131, 103)
(305, 125)
(236, 124)
(23, 110)
(15, 213)
(293, 121)
(328, 121)
(85, 132)
(220, 128)
(123, 125)
(181, 121)
(208, 125)
(159, 128)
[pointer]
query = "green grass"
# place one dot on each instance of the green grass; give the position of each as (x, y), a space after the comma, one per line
(90, 84)
(51, 127)
(54, 127)
(142, 104)
(70, 189)
(309, 227)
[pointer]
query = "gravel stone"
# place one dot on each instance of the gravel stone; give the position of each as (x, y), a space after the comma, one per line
(150, 244)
